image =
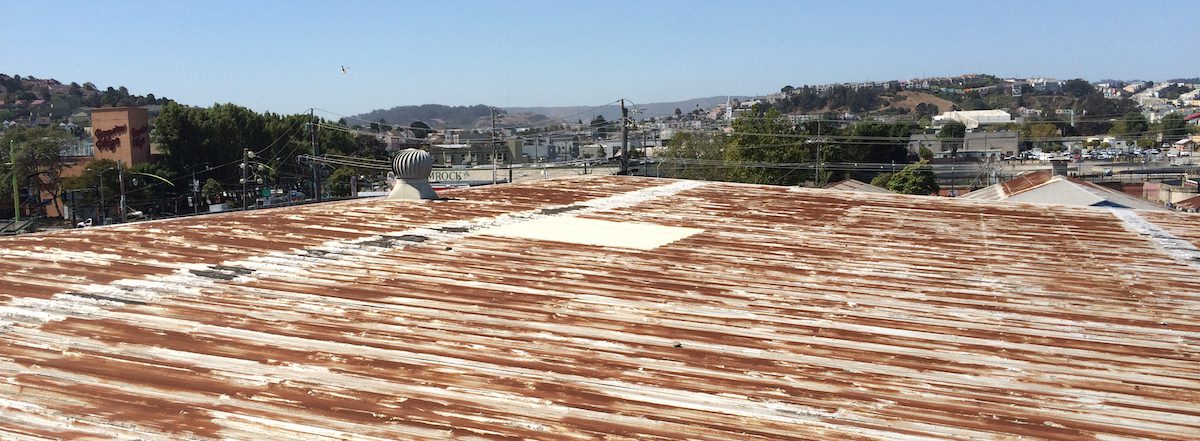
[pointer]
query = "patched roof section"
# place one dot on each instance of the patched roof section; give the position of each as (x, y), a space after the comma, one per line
(789, 314)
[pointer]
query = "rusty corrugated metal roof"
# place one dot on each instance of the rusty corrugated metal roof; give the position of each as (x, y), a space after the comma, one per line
(791, 314)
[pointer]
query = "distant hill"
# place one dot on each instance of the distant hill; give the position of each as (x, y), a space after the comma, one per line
(436, 115)
(50, 98)
(1185, 80)
(442, 116)
(479, 115)
(613, 111)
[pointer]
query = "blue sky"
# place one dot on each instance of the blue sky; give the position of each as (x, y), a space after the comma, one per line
(285, 56)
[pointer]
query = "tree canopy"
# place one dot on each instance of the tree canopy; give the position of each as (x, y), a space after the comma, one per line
(763, 147)
(1174, 127)
(189, 136)
(36, 159)
(915, 178)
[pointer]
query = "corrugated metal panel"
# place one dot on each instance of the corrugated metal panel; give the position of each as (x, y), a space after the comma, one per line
(794, 314)
(856, 185)
(1044, 187)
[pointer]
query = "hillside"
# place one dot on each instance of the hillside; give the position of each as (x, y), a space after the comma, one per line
(613, 111)
(50, 98)
(436, 115)
(910, 100)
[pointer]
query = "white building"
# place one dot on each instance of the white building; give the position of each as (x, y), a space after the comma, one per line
(974, 118)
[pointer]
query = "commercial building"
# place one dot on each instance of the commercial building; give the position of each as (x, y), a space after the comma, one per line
(998, 144)
(121, 134)
(609, 308)
(973, 118)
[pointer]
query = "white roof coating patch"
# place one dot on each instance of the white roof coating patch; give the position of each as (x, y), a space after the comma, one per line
(570, 229)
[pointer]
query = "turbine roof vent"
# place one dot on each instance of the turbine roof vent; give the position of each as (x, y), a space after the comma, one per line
(412, 168)
(412, 164)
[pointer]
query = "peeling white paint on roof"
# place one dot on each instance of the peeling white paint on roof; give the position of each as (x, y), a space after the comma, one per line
(1180, 249)
(571, 229)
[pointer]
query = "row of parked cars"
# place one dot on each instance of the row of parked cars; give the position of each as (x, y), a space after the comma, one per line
(1095, 154)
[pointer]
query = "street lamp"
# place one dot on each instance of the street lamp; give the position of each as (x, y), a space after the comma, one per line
(253, 168)
(196, 186)
(100, 192)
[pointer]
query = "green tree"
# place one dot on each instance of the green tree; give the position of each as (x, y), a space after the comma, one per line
(881, 143)
(1133, 124)
(1041, 133)
(37, 160)
(882, 180)
(914, 179)
(599, 125)
(765, 136)
(218, 135)
(339, 181)
(1174, 127)
(367, 146)
(147, 185)
(212, 191)
(1078, 88)
(952, 135)
(925, 154)
(696, 156)
(952, 130)
(97, 175)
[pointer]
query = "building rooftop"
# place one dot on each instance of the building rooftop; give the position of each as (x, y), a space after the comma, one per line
(609, 308)
(1045, 187)
(856, 185)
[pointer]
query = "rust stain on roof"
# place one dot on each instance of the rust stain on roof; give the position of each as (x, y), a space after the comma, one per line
(792, 314)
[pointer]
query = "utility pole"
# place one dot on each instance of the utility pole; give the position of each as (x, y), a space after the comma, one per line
(12, 161)
(245, 161)
(624, 139)
(195, 193)
(493, 109)
(100, 202)
(817, 178)
(316, 148)
(645, 157)
(121, 183)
